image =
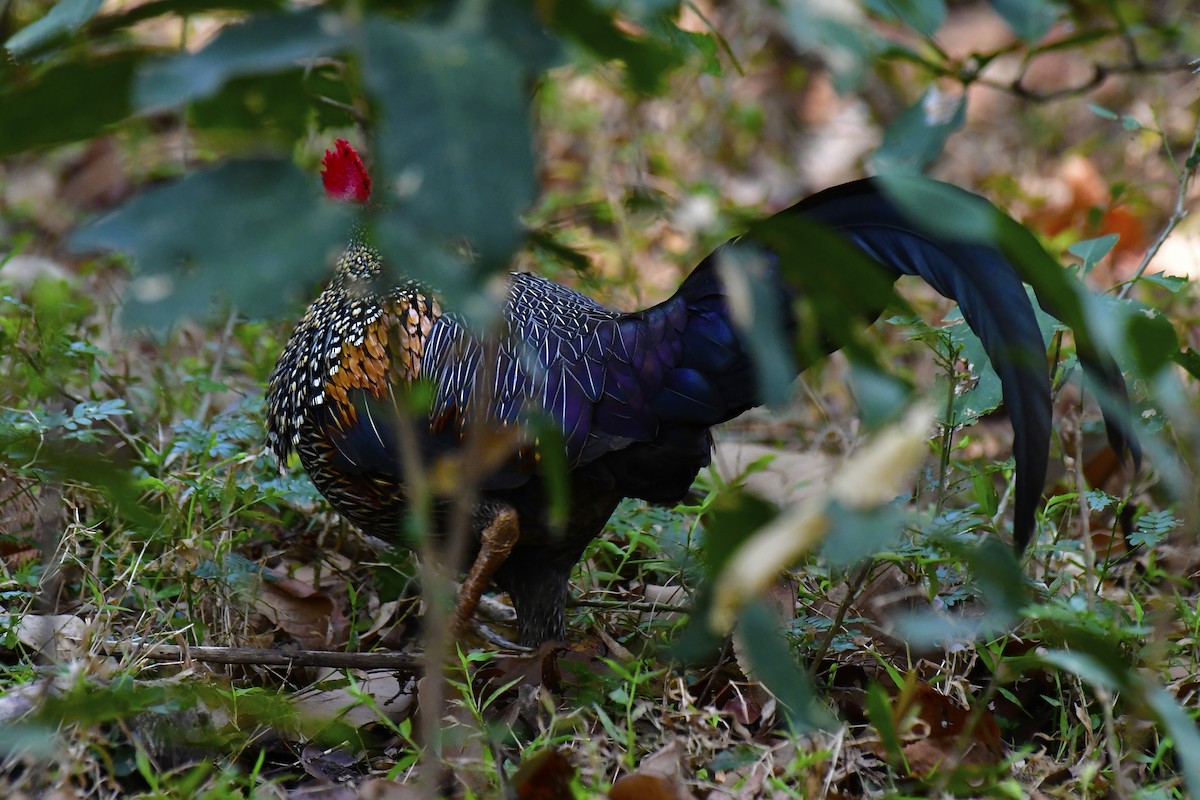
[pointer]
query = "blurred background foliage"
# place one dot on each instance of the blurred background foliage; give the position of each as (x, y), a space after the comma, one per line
(161, 225)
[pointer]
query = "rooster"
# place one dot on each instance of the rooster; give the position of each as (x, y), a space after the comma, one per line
(634, 394)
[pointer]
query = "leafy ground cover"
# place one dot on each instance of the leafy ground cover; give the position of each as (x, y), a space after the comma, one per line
(181, 619)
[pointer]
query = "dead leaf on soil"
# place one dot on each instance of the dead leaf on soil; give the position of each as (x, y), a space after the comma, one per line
(545, 775)
(54, 636)
(659, 776)
(933, 733)
(308, 615)
(392, 698)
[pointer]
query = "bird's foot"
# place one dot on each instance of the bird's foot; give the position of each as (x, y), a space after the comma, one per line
(496, 542)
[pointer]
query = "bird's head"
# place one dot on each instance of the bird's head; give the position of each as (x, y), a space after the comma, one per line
(343, 174)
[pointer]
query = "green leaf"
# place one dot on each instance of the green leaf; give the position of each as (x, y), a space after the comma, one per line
(732, 518)
(1183, 732)
(74, 101)
(1029, 19)
(923, 16)
(66, 17)
(454, 138)
(1092, 250)
(1189, 359)
(843, 41)
(1152, 341)
(772, 665)
(265, 43)
(1172, 283)
(280, 107)
(882, 397)
(647, 60)
(760, 317)
(1102, 112)
(917, 137)
(998, 576)
(248, 232)
(1152, 526)
(855, 535)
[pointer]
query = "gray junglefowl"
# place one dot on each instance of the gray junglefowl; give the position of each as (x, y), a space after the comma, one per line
(634, 394)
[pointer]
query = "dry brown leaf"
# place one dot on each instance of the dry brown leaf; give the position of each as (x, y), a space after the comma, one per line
(546, 775)
(659, 776)
(380, 789)
(392, 698)
(55, 636)
(788, 478)
(308, 615)
(646, 787)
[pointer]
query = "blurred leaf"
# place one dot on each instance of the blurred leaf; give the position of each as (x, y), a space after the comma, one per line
(67, 16)
(758, 311)
(1152, 341)
(731, 519)
(1189, 359)
(281, 106)
(1182, 730)
(1002, 585)
(276, 233)
(1092, 250)
(454, 139)
(772, 665)
(1102, 112)
(883, 720)
(1086, 666)
(516, 25)
(837, 32)
(647, 61)
(265, 43)
(1029, 19)
(76, 100)
(923, 16)
(856, 534)
(957, 215)
(881, 397)
(917, 137)
(943, 210)
(831, 301)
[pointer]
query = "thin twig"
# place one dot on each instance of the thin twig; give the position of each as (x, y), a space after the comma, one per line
(856, 584)
(1186, 173)
(272, 657)
(631, 605)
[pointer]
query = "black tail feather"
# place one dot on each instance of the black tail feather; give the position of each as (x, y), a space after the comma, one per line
(990, 292)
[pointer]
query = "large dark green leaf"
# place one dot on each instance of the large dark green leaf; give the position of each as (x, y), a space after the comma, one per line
(253, 233)
(66, 16)
(74, 101)
(280, 106)
(266, 43)
(454, 138)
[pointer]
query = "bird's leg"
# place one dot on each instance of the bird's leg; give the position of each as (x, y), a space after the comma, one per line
(496, 542)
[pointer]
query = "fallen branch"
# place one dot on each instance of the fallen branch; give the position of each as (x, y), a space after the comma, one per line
(261, 656)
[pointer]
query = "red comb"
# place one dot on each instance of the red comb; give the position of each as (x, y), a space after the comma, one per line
(344, 175)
